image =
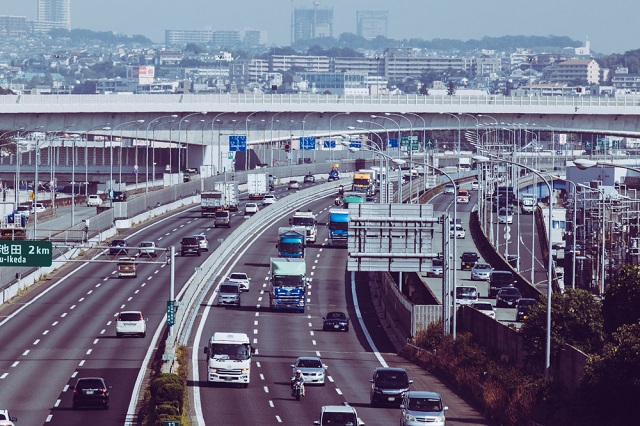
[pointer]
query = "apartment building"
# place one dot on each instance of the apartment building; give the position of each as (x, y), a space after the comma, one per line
(279, 63)
(575, 70)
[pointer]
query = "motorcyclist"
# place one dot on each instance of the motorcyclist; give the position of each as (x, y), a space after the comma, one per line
(337, 201)
(299, 379)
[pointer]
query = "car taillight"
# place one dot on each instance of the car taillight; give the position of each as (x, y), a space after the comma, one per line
(104, 391)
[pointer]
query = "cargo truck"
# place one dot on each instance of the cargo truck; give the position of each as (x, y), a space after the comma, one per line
(257, 185)
(230, 197)
(363, 182)
(338, 227)
(229, 358)
(291, 241)
(288, 284)
(210, 202)
(308, 221)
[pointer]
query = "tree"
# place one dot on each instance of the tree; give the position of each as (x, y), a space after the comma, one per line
(451, 89)
(621, 303)
(576, 319)
(611, 382)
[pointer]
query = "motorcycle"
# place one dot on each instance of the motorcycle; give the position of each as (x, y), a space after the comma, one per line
(297, 390)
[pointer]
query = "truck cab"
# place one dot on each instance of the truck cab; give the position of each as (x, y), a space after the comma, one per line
(229, 358)
(308, 221)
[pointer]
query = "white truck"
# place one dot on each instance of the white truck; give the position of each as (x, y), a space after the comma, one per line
(210, 202)
(229, 192)
(527, 203)
(229, 358)
(308, 221)
(257, 185)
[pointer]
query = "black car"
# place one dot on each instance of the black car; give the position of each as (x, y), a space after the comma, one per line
(508, 297)
(190, 245)
(523, 308)
(118, 246)
(468, 259)
(119, 196)
(388, 386)
(91, 392)
(309, 179)
(335, 321)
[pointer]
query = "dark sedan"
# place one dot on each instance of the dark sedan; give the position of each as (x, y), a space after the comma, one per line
(508, 297)
(335, 321)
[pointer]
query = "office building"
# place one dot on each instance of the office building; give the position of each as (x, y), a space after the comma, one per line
(183, 37)
(53, 14)
(227, 39)
(281, 63)
(312, 23)
(372, 23)
(336, 83)
(13, 26)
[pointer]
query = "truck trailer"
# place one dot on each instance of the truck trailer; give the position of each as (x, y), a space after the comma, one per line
(230, 197)
(257, 185)
(291, 241)
(210, 202)
(338, 227)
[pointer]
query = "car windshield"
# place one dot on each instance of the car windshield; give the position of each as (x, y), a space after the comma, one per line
(339, 419)
(143, 244)
(510, 291)
(221, 214)
(89, 384)
(336, 315)
(130, 316)
(232, 351)
(437, 262)
(425, 404)
(309, 363)
(482, 266)
(392, 377)
(466, 292)
(238, 276)
(302, 221)
(228, 288)
(189, 241)
(483, 306)
(118, 242)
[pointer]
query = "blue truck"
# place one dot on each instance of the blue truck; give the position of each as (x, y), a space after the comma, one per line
(291, 241)
(288, 284)
(338, 227)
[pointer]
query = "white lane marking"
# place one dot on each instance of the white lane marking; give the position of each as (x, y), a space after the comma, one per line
(311, 332)
(266, 389)
(318, 255)
(137, 291)
(90, 291)
(109, 322)
(57, 403)
(356, 305)
(330, 379)
(103, 331)
(97, 285)
(255, 331)
(261, 291)
(315, 261)
(338, 391)
(122, 307)
(258, 363)
(310, 324)
(260, 299)
(44, 333)
(320, 250)
(313, 342)
(36, 341)
(25, 353)
(257, 314)
(72, 307)
(318, 354)
(313, 267)
(15, 364)
(255, 323)
(271, 404)
(49, 417)
(75, 373)
(261, 376)
(53, 324)
(65, 388)
(129, 299)
(81, 299)
(95, 341)
(81, 363)
(278, 419)
(312, 272)
(308, 293)
(89, 351)
(4, 375)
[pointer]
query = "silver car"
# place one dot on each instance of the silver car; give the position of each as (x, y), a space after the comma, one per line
(481, 271)
(202, 242)
(422, 407)
(436, 269)
(312, 369)
(147, 248)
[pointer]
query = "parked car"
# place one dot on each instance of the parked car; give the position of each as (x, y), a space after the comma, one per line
(90, 392)
(190, 245)
(147, 248)
(481, 271)
(508, 297)
(202, 240)
(229, 293)
(523, 308)
(131, 323)
(313, 370)
(251, 208)
(388, 386)
(293, 184)
(338, 415)
(94, 200)
(485, 307)
(240, 278)
(335, 321)
(7, 419)
(309, 178)
(422, 407)
(118, 246)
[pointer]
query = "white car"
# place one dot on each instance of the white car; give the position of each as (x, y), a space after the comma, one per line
(6, 419)
(38, 208)
(202, 241)
(457, 231)
(475, 185)
(485, 307)
(240, 278)
(505, 215)
(131, 323)
(338, 415)
(269, 199)
(436, 269)
(449, 189)
(313, 370)
(24, 210)
(251, 208)
(147, 248)
(94, 200)
(481, 271)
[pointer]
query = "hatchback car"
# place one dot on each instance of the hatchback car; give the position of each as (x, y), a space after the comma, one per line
(309, 179)
(251, 208)
(91, 392)
(118, 246)
(229, 294)
(293, 184)
(131, 323)
(335, 321)
(481, 271)
(240, 278)
(147, 248)
(338, 415)
(422, 407)
(449, 189)
(202, 241)
(475, 185)
(7, 420)
(313, 370)
(269, 199)
(190, 245)
(388, 386)
(508, 297)
(523, 308)
(485, 307)
(457, 231)
(505, 215)
(94, 200)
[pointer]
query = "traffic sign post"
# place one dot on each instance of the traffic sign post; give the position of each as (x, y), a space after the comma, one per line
(307, 143)
(171, 316)
(237, 143)
(409, 141)
(329, 144)
(355, 144)
(393, 142)
(26, 253)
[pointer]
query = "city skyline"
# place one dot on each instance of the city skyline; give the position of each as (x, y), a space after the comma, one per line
(459, 20)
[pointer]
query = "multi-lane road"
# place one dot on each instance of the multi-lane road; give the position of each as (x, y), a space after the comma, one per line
(65, 329)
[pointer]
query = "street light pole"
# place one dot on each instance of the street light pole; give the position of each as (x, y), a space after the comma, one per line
(185, 134)
(331, 133)
(147, 149)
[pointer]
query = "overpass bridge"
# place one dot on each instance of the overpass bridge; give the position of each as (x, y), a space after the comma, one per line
(193, 130)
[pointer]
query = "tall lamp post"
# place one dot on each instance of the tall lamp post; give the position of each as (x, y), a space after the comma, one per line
(246, 126)
(185, 133)
(111, 155)
(459, 129)
(377, 149)
(485, 159)
(213, 123)
(147, 148)
(331, 133)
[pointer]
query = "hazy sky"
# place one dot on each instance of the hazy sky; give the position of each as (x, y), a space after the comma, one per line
(610, 26)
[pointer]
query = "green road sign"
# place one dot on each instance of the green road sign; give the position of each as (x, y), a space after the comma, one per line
(170, 423)
(170, 313)
(25, 253)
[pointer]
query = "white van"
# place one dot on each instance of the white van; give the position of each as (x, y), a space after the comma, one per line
(466, 294)
(131, 323)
